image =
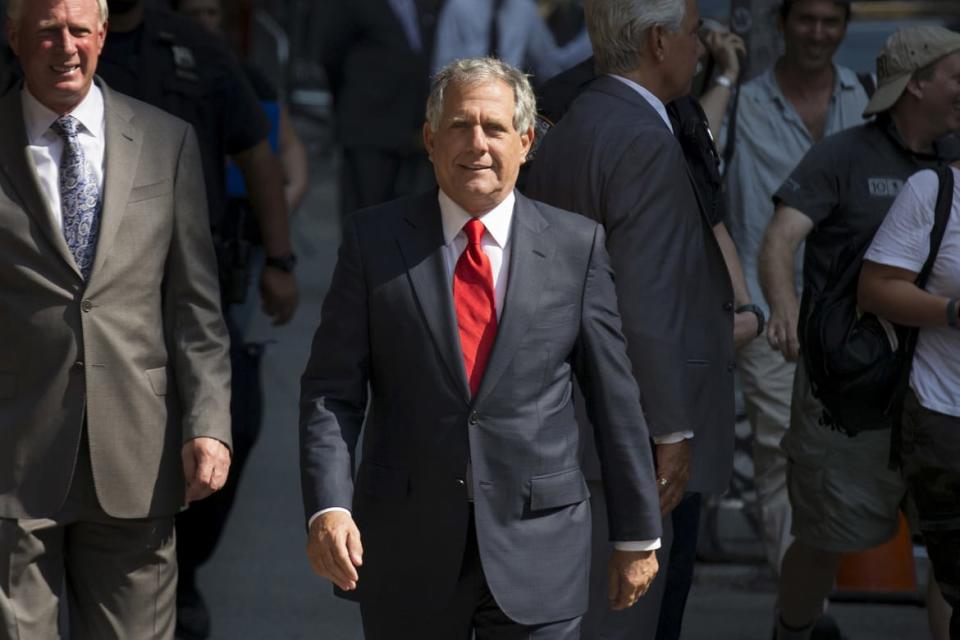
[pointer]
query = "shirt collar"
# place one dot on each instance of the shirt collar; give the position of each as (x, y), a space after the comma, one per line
(654, 101)
(497, 220)
(845, 80)
(39, 118)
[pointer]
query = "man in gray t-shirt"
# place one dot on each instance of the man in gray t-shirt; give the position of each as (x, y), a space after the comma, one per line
(782, 113)
(844, 498)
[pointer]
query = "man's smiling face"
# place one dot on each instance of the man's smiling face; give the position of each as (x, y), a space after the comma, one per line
(58, 43)
(476, 151)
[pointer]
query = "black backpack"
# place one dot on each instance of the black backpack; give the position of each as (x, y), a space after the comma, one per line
(858, 364)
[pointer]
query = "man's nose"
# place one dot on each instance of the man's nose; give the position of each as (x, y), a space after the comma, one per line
(819, 30)
(67, 42)
(478, 139)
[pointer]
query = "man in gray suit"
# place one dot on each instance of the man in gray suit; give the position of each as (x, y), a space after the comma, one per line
(613, 157)
(459, 317)
(114, 379)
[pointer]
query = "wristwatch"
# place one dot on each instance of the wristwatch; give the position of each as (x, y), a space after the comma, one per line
(284, 263)
(724, 81)
(757, 311)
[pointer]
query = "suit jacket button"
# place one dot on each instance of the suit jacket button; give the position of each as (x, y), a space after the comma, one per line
(728, 306)
(86, 305)
(78, 364)
(731, 366)
(461, 482)
(474, 419)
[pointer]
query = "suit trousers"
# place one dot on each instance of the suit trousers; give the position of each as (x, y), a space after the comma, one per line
(683, 556)
(120, 575)
(640, 620)
(472, 613)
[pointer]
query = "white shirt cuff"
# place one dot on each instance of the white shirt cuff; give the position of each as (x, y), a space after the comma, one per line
(323, 511)
(673, 438)
(639, 545)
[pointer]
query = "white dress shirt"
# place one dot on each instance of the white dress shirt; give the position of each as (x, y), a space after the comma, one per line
(495, 241)
(658, 106)
(496, 244)
(45, 146)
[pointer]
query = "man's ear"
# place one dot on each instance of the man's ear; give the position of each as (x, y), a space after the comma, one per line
(428, 139)
(526, 139)
(657, 43)
(915, 88)
(13, 37)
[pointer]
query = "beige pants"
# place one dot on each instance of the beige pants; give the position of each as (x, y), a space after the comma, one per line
(120, 575)
(767, 388)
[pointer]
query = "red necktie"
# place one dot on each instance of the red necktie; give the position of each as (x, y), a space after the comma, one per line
(474, 302)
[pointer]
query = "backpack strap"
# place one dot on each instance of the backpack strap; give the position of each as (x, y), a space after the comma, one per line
(941, 216)
(940, 219)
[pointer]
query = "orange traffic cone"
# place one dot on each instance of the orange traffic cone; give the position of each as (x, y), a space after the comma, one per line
(884, 573)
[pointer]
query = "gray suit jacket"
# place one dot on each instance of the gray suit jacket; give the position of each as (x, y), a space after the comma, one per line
(388, 321)
(138, 353)
(612, 158)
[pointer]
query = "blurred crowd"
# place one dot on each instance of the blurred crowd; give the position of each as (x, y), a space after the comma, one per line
(730, 215)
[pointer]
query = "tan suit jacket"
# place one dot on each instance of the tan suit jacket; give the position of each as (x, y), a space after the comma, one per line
(139, 352)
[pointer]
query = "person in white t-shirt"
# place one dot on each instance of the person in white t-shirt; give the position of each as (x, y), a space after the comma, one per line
(930, 429)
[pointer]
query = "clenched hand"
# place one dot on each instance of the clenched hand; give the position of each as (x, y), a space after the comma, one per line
(631, 573)
(206, 463)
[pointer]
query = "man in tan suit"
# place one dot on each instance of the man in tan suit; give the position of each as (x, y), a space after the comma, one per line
(114, 380)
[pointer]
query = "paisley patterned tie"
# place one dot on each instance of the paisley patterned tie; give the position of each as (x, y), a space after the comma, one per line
(79, 196)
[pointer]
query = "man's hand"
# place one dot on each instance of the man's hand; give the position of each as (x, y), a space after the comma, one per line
(744, 328)
(278, 293)
(334, 548)
(631, 573)
(726, 48)
(673, 472)
(782, 333)
(206, 463)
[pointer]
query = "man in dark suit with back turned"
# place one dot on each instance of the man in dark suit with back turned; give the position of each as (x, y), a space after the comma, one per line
(466, 312)
(114, 378)
(614, 158)
(377, 54)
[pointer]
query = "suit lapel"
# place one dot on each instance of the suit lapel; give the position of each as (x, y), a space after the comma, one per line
(122, 155)
(421, 242)
(18, 166)
(530, 255)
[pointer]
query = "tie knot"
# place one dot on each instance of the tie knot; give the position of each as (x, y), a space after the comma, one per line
(66, 126)
(474, 231)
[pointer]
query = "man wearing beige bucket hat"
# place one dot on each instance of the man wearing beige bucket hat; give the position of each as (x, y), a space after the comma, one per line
(842, 494)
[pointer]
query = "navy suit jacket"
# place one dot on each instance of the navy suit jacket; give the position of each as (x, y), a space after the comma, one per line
(387, 357)
(613, 159)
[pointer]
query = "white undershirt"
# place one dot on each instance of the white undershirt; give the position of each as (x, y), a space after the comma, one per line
(45, 146)
(903, 241)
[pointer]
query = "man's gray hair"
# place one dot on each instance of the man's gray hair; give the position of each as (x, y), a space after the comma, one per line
(15, 8)
(617, 29)
(472, 71)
